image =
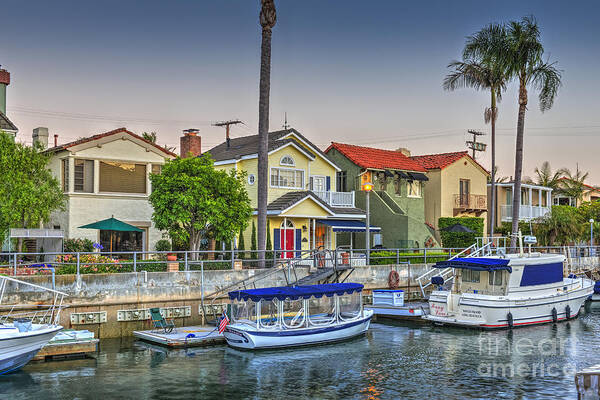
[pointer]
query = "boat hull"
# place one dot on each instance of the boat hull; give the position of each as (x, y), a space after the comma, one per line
(242, 337)
(17, 349)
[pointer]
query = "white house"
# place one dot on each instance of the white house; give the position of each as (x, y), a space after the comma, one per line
(104, 176)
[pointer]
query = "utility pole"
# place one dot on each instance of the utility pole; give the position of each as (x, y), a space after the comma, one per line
(474, 144)
(226, 124)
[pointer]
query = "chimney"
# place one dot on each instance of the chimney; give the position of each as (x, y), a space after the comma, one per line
(190, 142)
(404, 151)
(4, 82)
(55, 140)
(40, 135)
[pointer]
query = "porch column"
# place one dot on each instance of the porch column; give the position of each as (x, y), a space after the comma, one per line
(71, 187)
(284, 247)
(148, 183)
(539, 202)
(314, 235)
(96, 176)
(530, 202)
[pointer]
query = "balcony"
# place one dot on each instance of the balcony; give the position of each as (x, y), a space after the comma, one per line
(470, 202)
(526, 212)
(337, 199)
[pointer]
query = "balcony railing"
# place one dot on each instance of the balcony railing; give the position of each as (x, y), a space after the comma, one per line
(337, 199)
(470, 201)
(526, 212)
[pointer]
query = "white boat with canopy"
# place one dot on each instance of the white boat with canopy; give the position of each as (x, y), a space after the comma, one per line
(278, 317)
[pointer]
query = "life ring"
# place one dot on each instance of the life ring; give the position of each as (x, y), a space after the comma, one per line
(393, 280)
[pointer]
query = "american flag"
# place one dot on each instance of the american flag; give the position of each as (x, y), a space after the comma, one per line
(224, 322)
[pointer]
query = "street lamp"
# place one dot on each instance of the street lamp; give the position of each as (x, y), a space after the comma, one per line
(591, 234)
(367, 187)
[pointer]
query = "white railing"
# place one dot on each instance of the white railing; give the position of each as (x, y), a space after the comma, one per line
(337, 199)
(526, 212)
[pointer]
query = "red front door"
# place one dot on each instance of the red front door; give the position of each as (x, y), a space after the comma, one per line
(287, 242)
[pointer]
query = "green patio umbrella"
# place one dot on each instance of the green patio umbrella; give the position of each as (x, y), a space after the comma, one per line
(112, 224)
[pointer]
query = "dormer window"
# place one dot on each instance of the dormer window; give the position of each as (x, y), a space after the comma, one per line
(287, 160)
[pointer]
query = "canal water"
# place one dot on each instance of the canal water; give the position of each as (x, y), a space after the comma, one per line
(393, 361)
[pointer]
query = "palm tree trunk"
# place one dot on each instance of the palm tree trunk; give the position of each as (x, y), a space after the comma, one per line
(263, 133)
(518, 163)
(493, 206)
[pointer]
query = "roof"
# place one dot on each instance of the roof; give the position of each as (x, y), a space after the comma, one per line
(290, 198)
(476, 264)
(369, 157)
(442, 160)
(296, 292)
(6, 124)
(589, 187)
(65, 146)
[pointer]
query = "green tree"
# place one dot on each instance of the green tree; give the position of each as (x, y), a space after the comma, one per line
(544, 176)
(269, 245)
(241, 245)
(192, 199)
(562, 226)
(253, 254)
(151, 137)
(28, 191)
(573, 184)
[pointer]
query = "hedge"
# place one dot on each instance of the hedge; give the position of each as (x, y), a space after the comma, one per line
(460, 239)
(386, 257)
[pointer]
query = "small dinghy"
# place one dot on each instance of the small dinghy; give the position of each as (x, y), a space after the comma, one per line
(279, 317)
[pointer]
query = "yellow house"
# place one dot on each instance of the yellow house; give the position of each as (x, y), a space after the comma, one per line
(560, 198)
(306, 207)
(457, 187)
(535, 202)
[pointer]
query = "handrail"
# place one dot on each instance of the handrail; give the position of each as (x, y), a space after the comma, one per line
(32, 285)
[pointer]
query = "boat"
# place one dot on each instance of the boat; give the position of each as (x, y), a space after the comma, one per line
(24, 332)
(495, 290)
(389, 303)
(280, 317)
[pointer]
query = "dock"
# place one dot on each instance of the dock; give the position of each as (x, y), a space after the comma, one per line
(69, 344)
(587, 382)
(187, 336)
(412, 311)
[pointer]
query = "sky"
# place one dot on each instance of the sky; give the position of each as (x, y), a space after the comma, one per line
(361, 72)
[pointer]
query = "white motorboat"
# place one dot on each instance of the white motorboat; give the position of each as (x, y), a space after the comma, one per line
(279, 317)
(505, 291)
(23, 332)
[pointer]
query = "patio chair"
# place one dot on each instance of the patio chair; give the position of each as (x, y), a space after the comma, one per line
(159, 322)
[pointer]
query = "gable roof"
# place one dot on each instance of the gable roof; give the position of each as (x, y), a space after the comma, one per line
(290, 199)
(65, 146)
(6, 124)
(442, 160)
(369, 157)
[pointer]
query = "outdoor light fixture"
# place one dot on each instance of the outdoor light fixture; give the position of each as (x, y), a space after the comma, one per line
(367, 186)
(304, 228)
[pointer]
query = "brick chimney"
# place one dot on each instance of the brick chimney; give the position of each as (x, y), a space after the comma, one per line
(404, 151)
(4, 82)
(190, 142)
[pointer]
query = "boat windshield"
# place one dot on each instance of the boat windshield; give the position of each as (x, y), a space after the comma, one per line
(244, 312)
(350, 306)
(269, 313)
(321, 311)
(294, 314)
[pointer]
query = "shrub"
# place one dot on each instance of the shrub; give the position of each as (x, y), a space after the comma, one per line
(78, 245)
(269, 254)
(387, 257)
(460, 239)
(241, 246)
(253, 247)
(88, 264)
(163, 245)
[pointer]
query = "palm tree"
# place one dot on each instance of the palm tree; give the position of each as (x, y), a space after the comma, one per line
(573, 185)
(268, 17)
(479, 72)
(545, 177)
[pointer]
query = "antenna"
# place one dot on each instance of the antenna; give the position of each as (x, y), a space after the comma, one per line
(474, 144)
(285, 123)
(226, 125)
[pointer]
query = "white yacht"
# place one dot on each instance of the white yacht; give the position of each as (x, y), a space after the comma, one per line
(506, 290)
(291, 316)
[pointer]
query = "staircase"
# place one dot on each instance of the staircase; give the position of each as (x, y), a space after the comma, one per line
(389, 201)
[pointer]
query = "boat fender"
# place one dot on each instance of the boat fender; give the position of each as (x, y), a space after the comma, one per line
(568, 312)
(509, 318)
(393, 280)
(554, 315)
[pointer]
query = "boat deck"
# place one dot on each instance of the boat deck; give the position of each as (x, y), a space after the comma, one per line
(409, 311)
(187, 336)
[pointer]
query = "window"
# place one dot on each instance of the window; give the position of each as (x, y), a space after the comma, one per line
(414, 188)
(121, 241)
(287, 178)
(495, 278)
(65, 175)
(84, 176)
(469, 275)
(156, 169)
(251, 179)
(464, 190)
(341, 181)
(122, 177)
(287, 160)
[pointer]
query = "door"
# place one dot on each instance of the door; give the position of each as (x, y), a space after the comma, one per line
(286, 239)
(464, 192)
(318, 183)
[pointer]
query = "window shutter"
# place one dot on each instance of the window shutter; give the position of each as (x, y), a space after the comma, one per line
(298, 242)
(328, 187)
(276, 239)
(311, 184)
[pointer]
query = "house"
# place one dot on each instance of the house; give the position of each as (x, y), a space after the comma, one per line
(456, 187)
(5, 124)
(397, 203)
(307, 206)
(104, 176)
(560, 198)
(535, 202)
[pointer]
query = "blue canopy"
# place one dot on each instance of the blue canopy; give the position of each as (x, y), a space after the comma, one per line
(476, 264)
(296, 292)
(347, 225)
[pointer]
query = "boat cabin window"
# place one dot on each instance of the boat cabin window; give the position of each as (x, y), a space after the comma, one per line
(350, 306)
(321, 311)
(293, 313)
(244, 312)
(469, 275)
(269, 313)
(495, 278)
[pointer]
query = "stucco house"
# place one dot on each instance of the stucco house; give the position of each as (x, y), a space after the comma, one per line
(535, 202)
(307, 207)
(104, 176)
(397, 202)
(457, 187)
(560, 198)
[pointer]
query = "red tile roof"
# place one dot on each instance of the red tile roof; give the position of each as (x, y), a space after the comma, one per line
(368, 157)
(590, 187)
(101, 135)
(442, 160)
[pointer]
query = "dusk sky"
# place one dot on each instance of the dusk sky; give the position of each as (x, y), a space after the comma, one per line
(361, 72)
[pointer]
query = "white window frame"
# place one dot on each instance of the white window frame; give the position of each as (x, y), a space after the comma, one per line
(419, 185)
(293, 164)
(324, 182)
(301, 186)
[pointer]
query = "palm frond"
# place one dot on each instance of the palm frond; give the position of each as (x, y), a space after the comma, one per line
(546, 78)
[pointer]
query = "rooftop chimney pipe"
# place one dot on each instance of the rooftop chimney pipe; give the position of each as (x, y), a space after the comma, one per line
(190, 144)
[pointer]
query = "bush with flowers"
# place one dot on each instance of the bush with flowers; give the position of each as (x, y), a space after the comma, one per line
(88, 264)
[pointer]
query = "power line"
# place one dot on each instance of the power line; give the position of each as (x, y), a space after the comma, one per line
(227, 124)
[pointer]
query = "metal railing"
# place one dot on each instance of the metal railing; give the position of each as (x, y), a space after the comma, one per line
(470, 201)
(526, 212)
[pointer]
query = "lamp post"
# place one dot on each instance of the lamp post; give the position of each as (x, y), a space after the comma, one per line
(367, 187)
(591, 235)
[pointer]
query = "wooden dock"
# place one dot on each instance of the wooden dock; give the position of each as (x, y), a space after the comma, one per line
(412, 311)
(587, 383)
(187, 336)
(68, 344)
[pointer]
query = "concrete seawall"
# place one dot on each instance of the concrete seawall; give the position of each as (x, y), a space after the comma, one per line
(131, 291)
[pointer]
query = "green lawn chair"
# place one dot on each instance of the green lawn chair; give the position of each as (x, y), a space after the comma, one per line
(159, 322)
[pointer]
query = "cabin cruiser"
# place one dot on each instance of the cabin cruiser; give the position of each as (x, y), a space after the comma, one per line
(279, 317)
(506, 290)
